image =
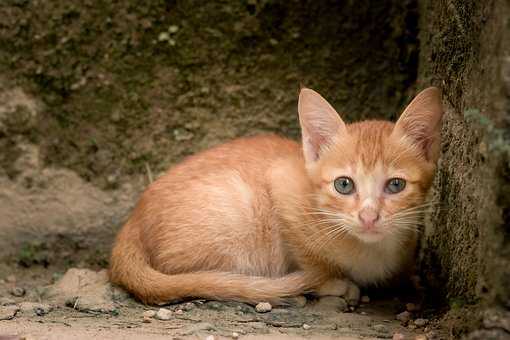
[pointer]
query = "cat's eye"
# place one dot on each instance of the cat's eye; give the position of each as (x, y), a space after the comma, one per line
(395, 185)
(344, 185)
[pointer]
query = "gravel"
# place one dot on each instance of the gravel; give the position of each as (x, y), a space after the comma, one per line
(163, 314)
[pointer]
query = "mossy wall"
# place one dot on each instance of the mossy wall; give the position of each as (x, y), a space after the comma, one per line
(465, 51)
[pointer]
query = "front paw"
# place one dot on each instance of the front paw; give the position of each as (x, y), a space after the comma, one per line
(341, 287)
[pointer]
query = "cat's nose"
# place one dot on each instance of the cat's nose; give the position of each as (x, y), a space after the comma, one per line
(368, 217)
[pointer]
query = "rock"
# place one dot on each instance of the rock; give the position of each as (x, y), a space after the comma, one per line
(420, 337)
(365, 299)
(306, 326)
(263, 307)
(163, 314)
(84, 290)
(173, 29)
(8, 312)
(329, 303)
(179, 312)
(398, 336)
(210, 337)
(380, 328)
(146, 320)
(411, 327)
(4, 301)
(35, 308)
(149, 314)
(235, 335)
(404, 317)
(421, 322)
(18, 291)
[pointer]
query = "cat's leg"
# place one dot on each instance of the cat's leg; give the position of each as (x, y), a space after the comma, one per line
(341, 287)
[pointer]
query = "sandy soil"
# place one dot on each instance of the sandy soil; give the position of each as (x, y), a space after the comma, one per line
(81, 304)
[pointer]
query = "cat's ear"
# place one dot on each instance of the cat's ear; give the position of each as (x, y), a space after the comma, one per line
(421, 122)
(320, 123)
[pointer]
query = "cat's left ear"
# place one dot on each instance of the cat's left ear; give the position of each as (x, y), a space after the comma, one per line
(320, 124)
(421, 122)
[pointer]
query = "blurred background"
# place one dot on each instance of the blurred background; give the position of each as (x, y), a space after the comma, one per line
(97, 98)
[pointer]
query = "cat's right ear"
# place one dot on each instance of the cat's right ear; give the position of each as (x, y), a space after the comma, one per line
(320, 123)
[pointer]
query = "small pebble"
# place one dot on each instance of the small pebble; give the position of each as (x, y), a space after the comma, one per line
(149, 314)
(10, 279)
(411, 327)
(38, 309)
(146, 320)
(421, 322)
(18, 291)
(235, 335)
(263, 307)
(420, 337)
(411, 307)
(210, 337)
(404, 317)
(179, 312)
(173, 29)
(365, 299)
(306, 326)
(163, 314)
(164, 36)
(398, 336)
(363, 313)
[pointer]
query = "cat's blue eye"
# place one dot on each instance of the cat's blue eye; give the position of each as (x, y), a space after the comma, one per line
(395, 185)
(344, 185)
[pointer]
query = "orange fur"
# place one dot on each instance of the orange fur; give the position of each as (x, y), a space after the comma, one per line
(254, 219)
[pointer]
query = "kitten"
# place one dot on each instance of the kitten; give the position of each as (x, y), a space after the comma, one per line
(264, 218)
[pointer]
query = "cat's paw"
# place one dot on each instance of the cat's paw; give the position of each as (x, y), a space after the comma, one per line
(341, 287)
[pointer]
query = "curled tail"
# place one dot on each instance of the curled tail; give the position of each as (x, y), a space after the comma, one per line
(131, 269)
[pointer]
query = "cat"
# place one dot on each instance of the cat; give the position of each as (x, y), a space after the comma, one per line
(264, 218)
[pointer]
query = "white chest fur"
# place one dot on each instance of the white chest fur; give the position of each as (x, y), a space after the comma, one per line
(371, 263)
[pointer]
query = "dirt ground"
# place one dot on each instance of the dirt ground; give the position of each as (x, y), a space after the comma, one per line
(81, 305)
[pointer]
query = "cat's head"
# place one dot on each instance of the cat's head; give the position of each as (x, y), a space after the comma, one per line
(370, 178)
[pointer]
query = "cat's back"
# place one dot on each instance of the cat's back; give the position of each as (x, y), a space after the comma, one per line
(250, 157)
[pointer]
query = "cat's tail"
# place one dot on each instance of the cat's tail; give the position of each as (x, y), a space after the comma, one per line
(131, 269)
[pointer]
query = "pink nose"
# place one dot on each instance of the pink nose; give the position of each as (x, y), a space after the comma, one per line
(368, 217)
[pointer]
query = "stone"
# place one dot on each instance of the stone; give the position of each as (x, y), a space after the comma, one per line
(84, 290)
(306, 326)
(235, 335)
(403, 317)
(420, 337)
(149, 314)
(163, 314)
(263, 307)
(421, 322)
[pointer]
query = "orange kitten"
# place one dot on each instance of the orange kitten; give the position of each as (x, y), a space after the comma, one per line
(263, 218)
